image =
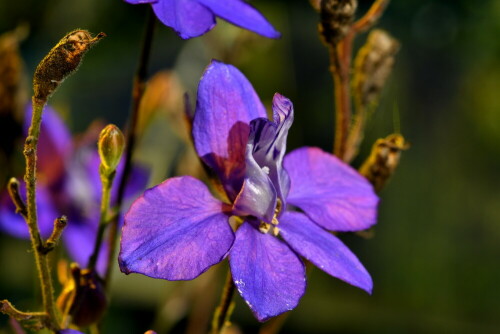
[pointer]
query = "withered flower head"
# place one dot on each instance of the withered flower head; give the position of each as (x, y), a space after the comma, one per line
(83, 297)
(383, 160)
(336, 17)
(373, 65)
(61, 61)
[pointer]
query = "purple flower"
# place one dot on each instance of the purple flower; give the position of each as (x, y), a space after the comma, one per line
(68, 184)
(178, 229)
(193, 18)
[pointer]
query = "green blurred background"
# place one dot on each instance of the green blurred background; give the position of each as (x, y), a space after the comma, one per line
(435, 254)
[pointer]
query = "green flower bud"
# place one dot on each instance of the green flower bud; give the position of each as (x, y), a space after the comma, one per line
(111, 144)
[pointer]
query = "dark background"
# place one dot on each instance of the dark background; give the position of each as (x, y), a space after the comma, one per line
(435, 254)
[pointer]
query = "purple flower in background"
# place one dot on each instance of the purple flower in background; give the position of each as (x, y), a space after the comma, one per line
(68, 184)
(193, 18)
(177, 230)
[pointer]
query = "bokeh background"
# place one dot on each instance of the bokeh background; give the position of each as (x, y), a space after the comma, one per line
(434, 256)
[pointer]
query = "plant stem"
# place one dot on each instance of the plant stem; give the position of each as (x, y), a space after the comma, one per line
(138, 88)
(30, 153)
(223, 311)
(107, 181)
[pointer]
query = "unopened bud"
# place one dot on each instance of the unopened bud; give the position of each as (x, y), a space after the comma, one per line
(83, 297)
(373, 65)
(111, 144)
(336, 18)
(61, 61)
(383, 160)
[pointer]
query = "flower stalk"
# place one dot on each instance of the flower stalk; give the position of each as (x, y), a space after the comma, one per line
(225, 309)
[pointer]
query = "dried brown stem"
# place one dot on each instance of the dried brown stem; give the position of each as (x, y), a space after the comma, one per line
(15, 195)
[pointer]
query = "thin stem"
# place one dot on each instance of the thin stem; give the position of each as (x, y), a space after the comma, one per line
(107, 181)
(137, 93)
(30, 153)
(223, 311)
(371, 16)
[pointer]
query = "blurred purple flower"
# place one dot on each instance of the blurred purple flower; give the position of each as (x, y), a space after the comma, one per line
(177, 230)
(68, 184)
(193, 18)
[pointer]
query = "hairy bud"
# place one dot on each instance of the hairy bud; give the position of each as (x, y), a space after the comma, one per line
(61, 61)
(373, 65)
(336, 17)
(83, 297)
(110, 146)
(383, 160)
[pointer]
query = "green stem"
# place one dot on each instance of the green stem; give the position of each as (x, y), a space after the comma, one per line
(107, 181)
(42, 264)
(223, 311)
(137, 93)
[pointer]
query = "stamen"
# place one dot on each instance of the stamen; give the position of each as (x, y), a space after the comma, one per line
(264, 227)
(265, 169)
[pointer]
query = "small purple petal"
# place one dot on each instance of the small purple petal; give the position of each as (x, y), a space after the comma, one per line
(15, 225)
(138, 2)
(330, 192)
(242, 14)
(54, 144)
(323, 249)
(269, 275)
(187, 17)
(258, 195)
(175, 231)
(69, 331)
(268, 143)
(226, 104)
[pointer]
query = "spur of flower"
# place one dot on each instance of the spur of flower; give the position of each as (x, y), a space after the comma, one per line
(193, 18)
(68, 184)
(178, 229)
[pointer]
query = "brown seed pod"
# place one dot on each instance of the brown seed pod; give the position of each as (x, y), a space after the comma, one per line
(373, 65)
(336, 17)
(61, 61)
(383, 160)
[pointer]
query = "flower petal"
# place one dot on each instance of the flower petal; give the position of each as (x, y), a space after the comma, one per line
(268, 143)
(187, 17)
(323, 249)
(242, 14)
(226, 104)
(175, 231)
(330, 192)
(54, 144)
(269, 275)
(258, 195)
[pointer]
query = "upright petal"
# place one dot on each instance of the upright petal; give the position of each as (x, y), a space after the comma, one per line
(330, 192)
(175, 231)
(54, 144)
(242, 14)
(323, 249)
(226, 104)
(269, 275)
(268, 143)
(187, 17)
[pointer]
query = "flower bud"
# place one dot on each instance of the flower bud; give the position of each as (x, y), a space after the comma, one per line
(383, 160)
(83, 297)
(373, 65)
(336, 17)
(61, 61)
(110, 145)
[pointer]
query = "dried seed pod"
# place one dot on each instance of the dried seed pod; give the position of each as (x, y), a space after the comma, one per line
(373, 65)
(336, 17)
(61, 61)
(383, 160)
